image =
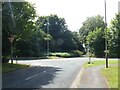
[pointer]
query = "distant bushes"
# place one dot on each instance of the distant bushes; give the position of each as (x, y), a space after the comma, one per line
(74, 53)
(60, 54)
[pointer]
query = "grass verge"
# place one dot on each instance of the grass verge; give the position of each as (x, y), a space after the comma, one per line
(6, 67)
(99, 62)
(111, 75)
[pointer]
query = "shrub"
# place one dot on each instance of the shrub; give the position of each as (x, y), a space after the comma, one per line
(60, 54)
(5, 59)
(76, 53)
(66, 55)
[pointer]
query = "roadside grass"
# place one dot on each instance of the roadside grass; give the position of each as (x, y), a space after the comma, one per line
(6, 67)
(111, 73)
(99, 62)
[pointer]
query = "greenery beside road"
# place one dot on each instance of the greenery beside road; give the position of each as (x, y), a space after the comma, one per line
(111, 73)
(6, 67)
(99, 62)
(74, 53)
(31, 33)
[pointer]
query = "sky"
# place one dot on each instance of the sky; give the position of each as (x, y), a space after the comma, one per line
(75, 12)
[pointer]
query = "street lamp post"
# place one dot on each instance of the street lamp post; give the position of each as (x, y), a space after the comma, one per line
(48, 37)
(106, 48)
(88, 50)
(11, 38)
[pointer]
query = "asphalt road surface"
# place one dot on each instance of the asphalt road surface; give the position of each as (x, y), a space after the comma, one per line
(47, 73)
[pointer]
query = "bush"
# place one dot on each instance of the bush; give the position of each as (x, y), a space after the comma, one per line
(65, 55)
(5, 59)
(60, 54)
(76, 53)
(91, 55)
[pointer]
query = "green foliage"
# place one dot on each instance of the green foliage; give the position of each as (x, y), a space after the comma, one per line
(31, 32)
(60, 54)
(90, 25)
(5, 59)
(61, 38)
(96, 42)
(99, 62)
(6, 67)
(17, 19)
(96, 39)
(92, 35)
(111, 75)
(69, 42)
(76, 53)
(114, 39)
(79, 46)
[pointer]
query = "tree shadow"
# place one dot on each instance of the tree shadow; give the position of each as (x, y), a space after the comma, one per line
(32, 77)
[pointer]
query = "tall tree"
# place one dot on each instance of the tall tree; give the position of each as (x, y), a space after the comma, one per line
(69, 43)
(96, 42)
(114, 50)
(90, 25)
(17, 19)
(57, 27)
(76, 37)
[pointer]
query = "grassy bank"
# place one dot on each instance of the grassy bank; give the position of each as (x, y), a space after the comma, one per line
(111, 75)
(6, 67)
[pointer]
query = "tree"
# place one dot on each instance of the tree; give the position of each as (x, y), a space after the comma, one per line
(92, 34)
(114, 48)
(76, 37)
(96, 41)
(17, 19)
(90, 25)
(69, 43)
(57, 28)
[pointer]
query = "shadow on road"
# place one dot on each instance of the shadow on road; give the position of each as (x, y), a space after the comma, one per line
(32, 77)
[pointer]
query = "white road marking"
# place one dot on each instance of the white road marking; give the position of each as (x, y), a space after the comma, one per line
(44, 71)
(31, 77)
(57, 66)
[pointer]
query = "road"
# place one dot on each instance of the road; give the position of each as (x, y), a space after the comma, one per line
(58, 73)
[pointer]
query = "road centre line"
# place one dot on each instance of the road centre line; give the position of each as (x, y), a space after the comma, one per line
(31, 77)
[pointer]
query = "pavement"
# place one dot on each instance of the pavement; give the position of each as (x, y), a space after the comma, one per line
(92, 78)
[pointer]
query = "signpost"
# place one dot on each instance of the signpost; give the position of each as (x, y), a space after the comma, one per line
(48, 37)
(11, 39)
(106, 47)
